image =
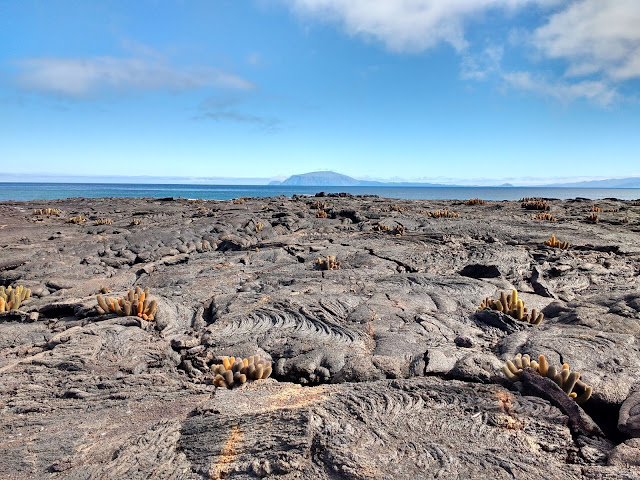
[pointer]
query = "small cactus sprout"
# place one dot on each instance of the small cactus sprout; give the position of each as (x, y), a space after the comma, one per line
(555, 243)
(236, 371)
(511, 305)
(135, 303)
(321, 214)
(567, 380)
(475, 201)
(328, 263)
(12, 298)
(103, 221)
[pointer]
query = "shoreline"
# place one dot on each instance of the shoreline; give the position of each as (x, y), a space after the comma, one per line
(42, 192)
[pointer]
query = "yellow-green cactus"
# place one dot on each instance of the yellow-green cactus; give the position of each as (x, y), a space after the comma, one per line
(11, 299)
(319, 206)
(544, 216)
(233, 372)
(328, 263)
(379, 227)
(398, 230)
(46, 211)
(564, 378)
(443, 214)
(593, 218)
(555, 243)
(76, 220)
(513, 306)
(104, 221)
(134, 303)
(535, 204)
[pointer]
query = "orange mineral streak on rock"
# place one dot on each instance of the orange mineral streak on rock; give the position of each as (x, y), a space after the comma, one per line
(294, 398)
(229, 452)
(504, 399)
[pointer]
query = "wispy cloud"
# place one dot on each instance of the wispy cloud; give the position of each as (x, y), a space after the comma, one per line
(228, 108)
(482, 66)
(254, 59)
(263, 124)
(596, 91)
(84, 77)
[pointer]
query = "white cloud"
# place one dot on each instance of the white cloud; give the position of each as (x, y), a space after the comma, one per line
(596, 91)
(78, 77)
(598, 40)
(480, 67)
(595, 36)
(254, 59)
(407, 25)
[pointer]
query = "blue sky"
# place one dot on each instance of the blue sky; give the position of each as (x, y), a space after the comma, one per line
(462, 90)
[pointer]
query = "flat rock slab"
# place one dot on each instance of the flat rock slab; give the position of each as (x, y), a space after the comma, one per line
(362, 431)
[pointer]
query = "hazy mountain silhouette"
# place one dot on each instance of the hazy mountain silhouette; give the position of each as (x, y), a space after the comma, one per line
(333, 179)
(629, 182)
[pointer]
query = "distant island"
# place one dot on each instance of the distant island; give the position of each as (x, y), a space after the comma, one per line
(333, 179)
(630, 182)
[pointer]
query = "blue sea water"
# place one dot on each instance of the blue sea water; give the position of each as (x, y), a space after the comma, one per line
(50, 191)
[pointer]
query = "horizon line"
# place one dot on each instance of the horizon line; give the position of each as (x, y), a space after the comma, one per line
(265, 182)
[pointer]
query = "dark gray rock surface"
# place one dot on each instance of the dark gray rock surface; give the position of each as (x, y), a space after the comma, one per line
(383, 368)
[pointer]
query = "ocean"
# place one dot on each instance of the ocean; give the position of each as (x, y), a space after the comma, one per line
(51, 191)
